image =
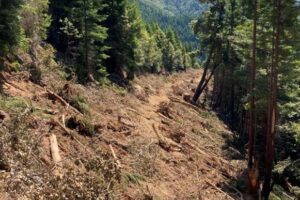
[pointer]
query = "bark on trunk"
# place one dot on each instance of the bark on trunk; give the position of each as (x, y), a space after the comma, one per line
(251, 90)
(206, 67)
(205, 82)
(272, 101)
(86, 45)
(220, 94)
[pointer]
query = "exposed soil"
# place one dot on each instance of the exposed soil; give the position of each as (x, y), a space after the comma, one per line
(165, 148)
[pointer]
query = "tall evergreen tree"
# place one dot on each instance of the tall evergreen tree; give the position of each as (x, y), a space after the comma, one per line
(210, 28)
(35, 20)
(88, 16)
(269, 44)
(81, 25)
(115, 12)
(9, 24)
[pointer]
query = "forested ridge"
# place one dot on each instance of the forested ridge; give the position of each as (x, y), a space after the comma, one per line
(177, 14)
(109, 99)
(103, 36)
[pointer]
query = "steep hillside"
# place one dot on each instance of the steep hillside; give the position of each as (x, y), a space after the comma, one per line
(175, 13)
(67, 141)
(175, 7)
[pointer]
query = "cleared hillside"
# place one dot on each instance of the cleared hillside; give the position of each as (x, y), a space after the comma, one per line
(144, 142)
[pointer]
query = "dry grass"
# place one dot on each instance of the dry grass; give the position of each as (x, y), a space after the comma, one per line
(89, 169)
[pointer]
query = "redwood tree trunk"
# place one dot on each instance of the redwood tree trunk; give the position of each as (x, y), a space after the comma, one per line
(251, 127)
(253, 181)
(272, 104)
(220, 90)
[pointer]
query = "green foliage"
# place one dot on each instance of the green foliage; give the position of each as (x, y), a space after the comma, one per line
(18, 129)
(80, 103)
(12, 105)
(87, 15)
(226, 28)
(137, 48)
(82, 37)
(177, 14)
(15, 66)
(295, 127)
(23, 41)
(9, 24)
(35, 19)
(118, 90)
(133, 178)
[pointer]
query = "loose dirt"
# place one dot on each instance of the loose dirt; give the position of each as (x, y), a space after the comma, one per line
(167, 149)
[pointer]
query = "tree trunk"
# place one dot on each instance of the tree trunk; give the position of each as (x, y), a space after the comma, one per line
(206, 81)
(251, 127)
(232, 93)
(232, 98)
(272, 103)
(220, 92)
(86, 45)
(206, 67)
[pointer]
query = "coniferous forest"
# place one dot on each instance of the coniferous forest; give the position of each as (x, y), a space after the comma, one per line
(140, 99)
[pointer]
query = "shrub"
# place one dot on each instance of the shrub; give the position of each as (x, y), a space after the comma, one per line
(12, 104)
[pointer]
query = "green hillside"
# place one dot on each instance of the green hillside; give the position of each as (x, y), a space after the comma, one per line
(175, 13)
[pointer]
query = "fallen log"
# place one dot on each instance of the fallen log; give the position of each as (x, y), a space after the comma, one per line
(62, 101)
(57, 123)
(166, 143)
(54, 150)
(138, 113)
(185, 103)
(119, 166)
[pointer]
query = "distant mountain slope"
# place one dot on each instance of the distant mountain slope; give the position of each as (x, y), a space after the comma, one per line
(174, 13)
(174, 7)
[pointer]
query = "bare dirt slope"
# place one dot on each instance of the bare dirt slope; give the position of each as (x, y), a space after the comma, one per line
(144, 142)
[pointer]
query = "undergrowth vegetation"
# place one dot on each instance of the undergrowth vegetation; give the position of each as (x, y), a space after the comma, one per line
(12, 104)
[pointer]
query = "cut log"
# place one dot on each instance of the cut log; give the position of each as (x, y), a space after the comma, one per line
(63, 120)
(119, 166)
(55, 150)
(166, 143)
